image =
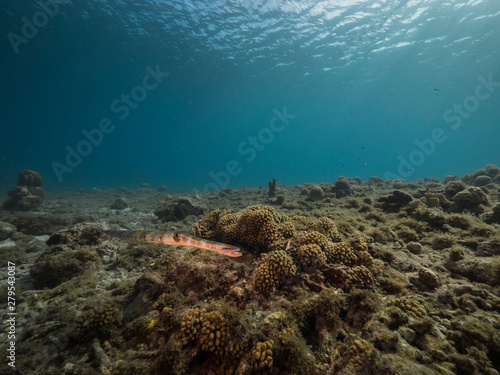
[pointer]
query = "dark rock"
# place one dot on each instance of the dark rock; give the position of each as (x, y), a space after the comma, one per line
(448, 179)
(6, 230)
(162, 188)
(342, 188)
(489, 248)
(394, 202)
(475, 269)
(492, 217)
(316, 193)
(357, 180)
(26, 197)
(119, 204)
(482, 180)
(272, 189)
(22, 198)
(398, 184)
(453, 187)
(71, 253)
(29, 178)
(179, 208)
(39, 224)
(414, 247)
(80, 234)
(429, 278)
(375, 179)
(473, 199)
(60, 263)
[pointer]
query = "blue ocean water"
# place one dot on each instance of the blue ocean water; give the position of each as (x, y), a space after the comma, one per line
(200, 95)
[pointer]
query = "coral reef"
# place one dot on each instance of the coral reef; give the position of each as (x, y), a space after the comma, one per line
(382, 281)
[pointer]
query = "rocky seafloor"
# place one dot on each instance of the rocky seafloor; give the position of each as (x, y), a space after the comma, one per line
(355, 277)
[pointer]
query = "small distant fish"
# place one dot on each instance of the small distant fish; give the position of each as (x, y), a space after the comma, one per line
(436, 89)
(362, 148)
(364, 164)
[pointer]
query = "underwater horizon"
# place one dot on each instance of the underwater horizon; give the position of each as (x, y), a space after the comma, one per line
(205, 95)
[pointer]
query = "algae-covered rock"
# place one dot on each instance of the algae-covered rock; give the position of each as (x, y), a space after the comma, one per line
(178, 208)
(6, 230)
(482, 180)
(395, 201)
(414, 247)
(454, 187)
(27, 195)
(342, 188)
(428, 278)
(71, 253)
(492, 217)
(59, 264)
(475, 269)
(119, 204)
(473, 199)
(316, 193)
(80, 234)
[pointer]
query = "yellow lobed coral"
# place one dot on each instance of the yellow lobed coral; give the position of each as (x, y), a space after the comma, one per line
(254, 226)
(358, 353)
(311, 255)
(103, 316)
(410, 306)
(327, 227)
(273, 268)
(287, 230)
(262, 355)
(340, 253)
(210, 331)
(313, 238)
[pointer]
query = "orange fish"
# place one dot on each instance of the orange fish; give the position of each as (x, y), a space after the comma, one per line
(175, 239)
